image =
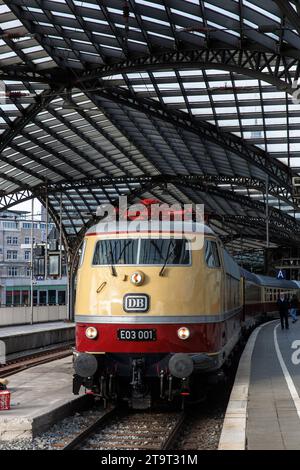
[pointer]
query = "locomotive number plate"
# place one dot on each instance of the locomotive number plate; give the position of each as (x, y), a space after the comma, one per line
(137, 335)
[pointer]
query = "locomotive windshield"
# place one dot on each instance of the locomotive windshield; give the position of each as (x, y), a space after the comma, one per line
(142, 252)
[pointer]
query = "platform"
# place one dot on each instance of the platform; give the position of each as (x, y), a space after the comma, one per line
(264, 408)
(30, 337)
(40, 396)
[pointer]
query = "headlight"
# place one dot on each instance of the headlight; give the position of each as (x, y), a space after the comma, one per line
(183, 332)
(91, 332)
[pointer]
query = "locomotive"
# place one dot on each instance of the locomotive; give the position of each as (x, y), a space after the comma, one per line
(157, 319)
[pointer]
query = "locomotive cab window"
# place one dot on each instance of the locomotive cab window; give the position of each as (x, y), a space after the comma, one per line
(155, 252)
(212, 257)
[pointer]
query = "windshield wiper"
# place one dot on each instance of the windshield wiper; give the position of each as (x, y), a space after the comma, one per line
(124, 248)
(112, 266)
(169, 253)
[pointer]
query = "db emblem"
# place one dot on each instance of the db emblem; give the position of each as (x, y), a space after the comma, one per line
(137, 278)
(136, 303)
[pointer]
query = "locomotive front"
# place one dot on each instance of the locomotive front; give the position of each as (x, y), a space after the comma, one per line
(147, 310)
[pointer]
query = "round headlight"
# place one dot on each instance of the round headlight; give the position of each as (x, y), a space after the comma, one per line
(183, 332)
(91, 332)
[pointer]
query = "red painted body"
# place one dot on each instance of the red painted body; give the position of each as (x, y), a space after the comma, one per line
(257, 308)
(205, 337)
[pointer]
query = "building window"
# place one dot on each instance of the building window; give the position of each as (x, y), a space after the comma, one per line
(43, 297)
(27, 240)
(27, 255)
(25, 297)
(12, 254)
(51, 297)
(13, 225)
(9, 298)
(12, 240)
(61, 294)
(27, 225)
(12, 271)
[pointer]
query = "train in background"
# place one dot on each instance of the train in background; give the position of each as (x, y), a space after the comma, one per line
(155, 319)
(260, 295)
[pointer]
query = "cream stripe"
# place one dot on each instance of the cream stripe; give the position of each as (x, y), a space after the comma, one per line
(164, 319)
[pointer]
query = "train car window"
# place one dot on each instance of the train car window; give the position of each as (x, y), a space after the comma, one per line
(119, 251)
(160, 251)
(212, 258)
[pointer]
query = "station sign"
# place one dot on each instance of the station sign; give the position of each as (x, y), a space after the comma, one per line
(281, 274)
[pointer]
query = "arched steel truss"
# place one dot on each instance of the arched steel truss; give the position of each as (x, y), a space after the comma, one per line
(278, 66)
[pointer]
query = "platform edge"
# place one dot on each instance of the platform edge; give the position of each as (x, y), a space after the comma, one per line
(233, 435)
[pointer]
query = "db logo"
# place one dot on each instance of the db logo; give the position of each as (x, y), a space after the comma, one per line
(136, 303)
(296, 354)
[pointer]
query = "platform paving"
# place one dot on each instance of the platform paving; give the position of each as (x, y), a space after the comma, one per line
(273, 421)
(28, 337)
(40, 396)
(8, 331)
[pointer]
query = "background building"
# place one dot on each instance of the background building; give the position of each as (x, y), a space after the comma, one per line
(15, 262)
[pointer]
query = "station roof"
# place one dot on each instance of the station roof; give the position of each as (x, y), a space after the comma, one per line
(185, 101)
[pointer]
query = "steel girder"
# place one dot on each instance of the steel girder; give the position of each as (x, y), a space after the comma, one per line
(281, 219)
(249, 183)
(275, 169)
(254, 155)
(238, 224)
(21, 73)
(271, 67)
(290, 13)
(10, 200)
(205, 179)
(41, 103)
(205, 130)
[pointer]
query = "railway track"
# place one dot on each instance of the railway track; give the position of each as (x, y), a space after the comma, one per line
(34, 359)
(130, 431)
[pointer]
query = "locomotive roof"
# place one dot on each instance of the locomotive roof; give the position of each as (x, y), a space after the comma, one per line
(144, 226)
(231, 266)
